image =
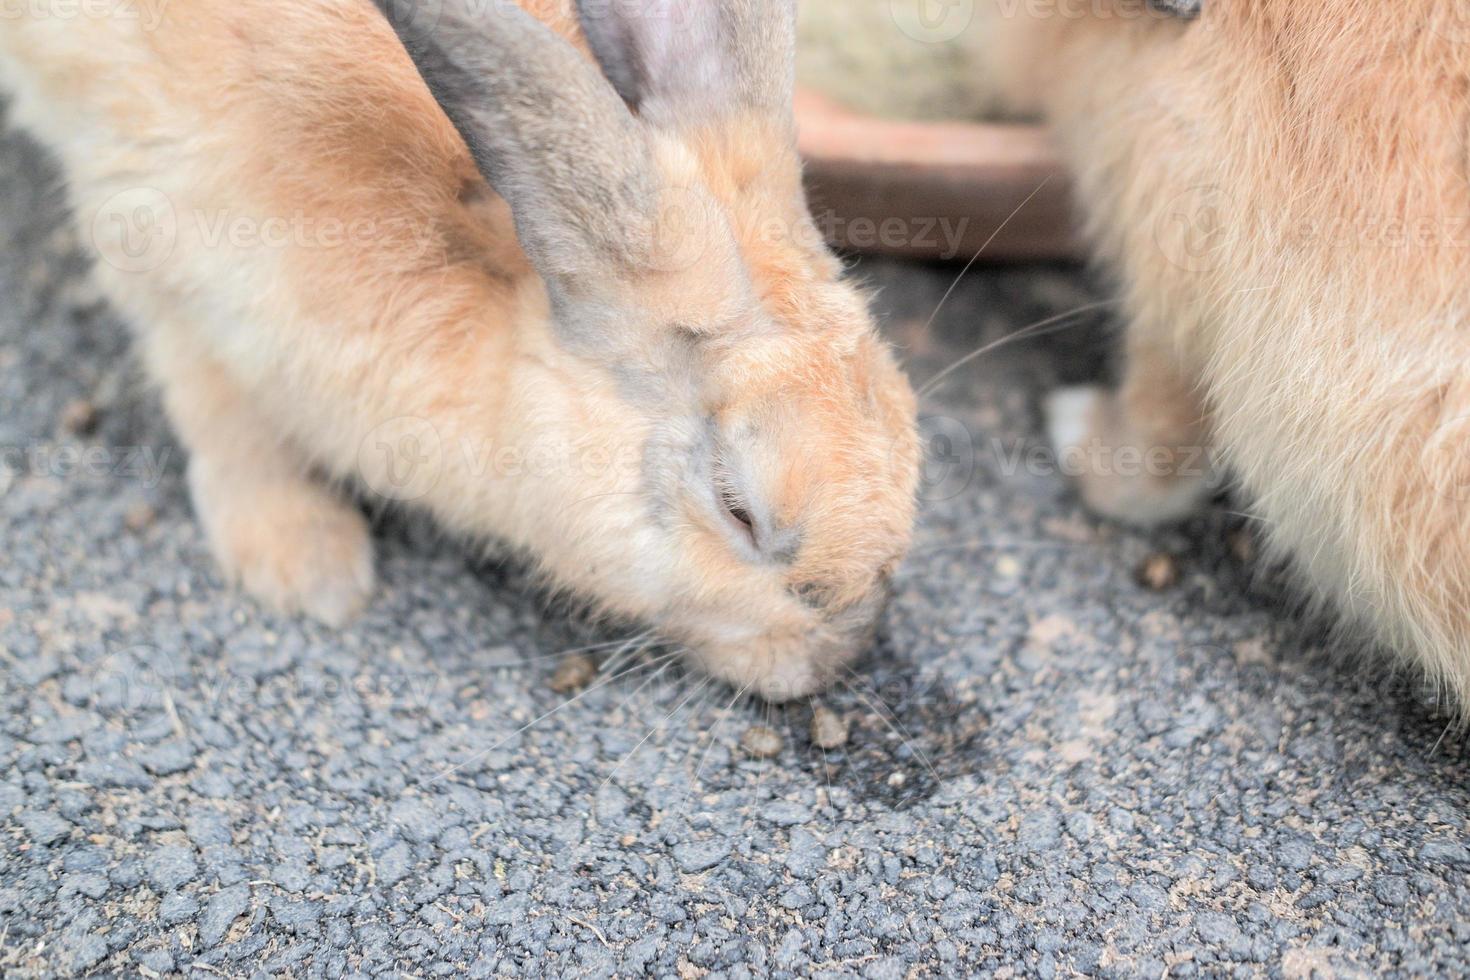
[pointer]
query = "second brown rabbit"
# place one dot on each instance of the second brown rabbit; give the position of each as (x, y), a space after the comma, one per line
(1282, 190)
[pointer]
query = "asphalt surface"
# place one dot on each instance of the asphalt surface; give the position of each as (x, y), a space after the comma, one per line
(1051, 769)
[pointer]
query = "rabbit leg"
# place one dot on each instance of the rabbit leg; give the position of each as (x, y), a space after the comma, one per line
(1139, 454)
(283, 536)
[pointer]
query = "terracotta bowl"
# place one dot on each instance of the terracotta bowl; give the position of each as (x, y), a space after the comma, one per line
(934, 190)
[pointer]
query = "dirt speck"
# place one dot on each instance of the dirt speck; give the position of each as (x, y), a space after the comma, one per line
(829, 729)
(1159, 572)
(574, 673)
(761, 742)
(79, 418)
(900, 720)
(140, 517)
(1242, 544)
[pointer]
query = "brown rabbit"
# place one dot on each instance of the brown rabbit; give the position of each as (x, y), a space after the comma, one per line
(632, 360)
(1283, 189)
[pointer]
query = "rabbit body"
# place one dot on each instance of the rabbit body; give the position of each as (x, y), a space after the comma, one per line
(325, 289)
(1282, 190)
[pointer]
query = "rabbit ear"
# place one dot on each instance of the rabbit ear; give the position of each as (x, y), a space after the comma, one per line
(545, 128)
(682, 62)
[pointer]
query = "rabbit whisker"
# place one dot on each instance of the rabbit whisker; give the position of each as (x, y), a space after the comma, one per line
(552, 654)
(768, 764)
(976, 257)
(651, 730)
(894, 726)
(1435, 747)
(1250, 517)
(667, 662)
(540, 718)
(628, 650)
(983, 544)
(713, 732)
(610, 493)
(1040, 328)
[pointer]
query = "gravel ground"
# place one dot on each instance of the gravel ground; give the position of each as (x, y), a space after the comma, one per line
(1049, 767)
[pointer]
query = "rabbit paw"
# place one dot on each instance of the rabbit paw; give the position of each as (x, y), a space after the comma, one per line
(287, 541)
(1121, 475)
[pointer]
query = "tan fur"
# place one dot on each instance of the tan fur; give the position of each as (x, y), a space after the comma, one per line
(281, 362)
(1319, 334)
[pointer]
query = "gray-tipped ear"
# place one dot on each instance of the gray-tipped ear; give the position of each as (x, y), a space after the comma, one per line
(684, 62)
(545, 128)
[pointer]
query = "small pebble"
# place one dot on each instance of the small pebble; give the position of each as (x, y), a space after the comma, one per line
(897, 779)
(829, 729)
(575, 673)
(1242, 545)
(760, 742)
(1159, 572)
(79, 418)
(140, 517)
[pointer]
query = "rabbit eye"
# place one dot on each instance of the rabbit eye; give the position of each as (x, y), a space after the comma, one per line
(1186, 9)
(736, 509)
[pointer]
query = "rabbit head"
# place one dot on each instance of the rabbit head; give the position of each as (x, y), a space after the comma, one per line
(662, 206)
